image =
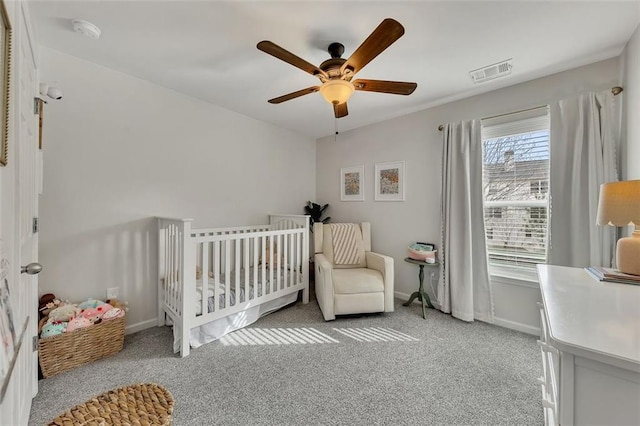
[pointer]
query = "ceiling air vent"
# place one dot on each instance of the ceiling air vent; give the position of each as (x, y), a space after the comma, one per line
(490, 72)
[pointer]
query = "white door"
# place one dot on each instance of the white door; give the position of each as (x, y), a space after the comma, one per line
(19, 208)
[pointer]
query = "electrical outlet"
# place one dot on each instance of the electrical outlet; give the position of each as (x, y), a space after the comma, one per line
(112, 293)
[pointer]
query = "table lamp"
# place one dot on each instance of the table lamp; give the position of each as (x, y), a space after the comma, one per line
(619, 205)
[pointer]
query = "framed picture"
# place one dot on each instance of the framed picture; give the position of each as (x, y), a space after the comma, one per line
(352, 183)
(390, 181)
(5, 67)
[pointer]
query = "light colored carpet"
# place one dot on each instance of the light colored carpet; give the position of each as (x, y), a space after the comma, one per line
(445, 372)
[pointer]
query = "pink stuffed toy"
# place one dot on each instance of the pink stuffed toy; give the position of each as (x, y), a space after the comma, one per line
(95, 314)
(78, 322)
(91, 314)
(102, 309)
(113, 314)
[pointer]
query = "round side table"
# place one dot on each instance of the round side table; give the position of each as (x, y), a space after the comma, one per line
(420, 294)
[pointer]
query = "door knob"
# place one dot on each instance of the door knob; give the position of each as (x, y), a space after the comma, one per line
(31, 269)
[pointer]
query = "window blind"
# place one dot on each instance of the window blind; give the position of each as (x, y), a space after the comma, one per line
(516, 187)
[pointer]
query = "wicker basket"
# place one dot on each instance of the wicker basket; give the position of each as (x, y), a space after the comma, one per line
(142, 404)
(70, 350)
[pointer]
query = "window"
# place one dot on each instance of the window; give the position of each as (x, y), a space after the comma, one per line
(516, 187)
(538, 213)
(494, 212)
(539, 187)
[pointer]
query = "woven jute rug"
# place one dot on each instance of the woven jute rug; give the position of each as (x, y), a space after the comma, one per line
(142, 404)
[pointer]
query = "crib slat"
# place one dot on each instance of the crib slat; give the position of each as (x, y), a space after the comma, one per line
(272, 260)
(293, 269)
(216, 275)
(263, 265)
(286, 259)
(246, 244)
(237, 271)
(279, 263)
(168, 260)
(300, 258)
(205, 278)
(254, 247)
(167, 267)
(227, 274)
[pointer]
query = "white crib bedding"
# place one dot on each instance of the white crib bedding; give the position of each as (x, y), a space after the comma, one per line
(214, 330)
(220, 293)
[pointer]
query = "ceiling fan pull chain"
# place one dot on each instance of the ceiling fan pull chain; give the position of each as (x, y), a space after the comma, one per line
(335, 136)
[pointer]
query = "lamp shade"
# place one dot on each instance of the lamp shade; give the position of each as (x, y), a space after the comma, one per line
(337, 91)
(619, 203)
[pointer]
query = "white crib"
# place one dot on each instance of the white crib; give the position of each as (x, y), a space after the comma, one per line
(246, 272)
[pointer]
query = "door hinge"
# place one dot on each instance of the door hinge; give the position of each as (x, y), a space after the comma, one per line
(37, 104)
(35, 343)
(34, 228)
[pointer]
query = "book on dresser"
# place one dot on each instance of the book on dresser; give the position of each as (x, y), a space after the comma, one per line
(612, 275)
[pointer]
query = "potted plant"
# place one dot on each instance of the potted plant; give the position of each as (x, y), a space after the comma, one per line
(316, 211)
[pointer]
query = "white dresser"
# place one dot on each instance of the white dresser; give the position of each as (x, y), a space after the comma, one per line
(590, 344)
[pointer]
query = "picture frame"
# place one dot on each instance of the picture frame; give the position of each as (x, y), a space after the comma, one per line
(5, 74)
(352, 183)
(389, 181)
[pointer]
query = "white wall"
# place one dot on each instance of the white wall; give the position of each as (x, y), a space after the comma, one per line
(119, 150)
(631, 110)
(415, 139)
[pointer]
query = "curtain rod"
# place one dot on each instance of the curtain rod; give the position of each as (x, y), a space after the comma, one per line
(615, 90)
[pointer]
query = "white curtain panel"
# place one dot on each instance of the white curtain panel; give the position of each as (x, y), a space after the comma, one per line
(463, 289)
(583, 156)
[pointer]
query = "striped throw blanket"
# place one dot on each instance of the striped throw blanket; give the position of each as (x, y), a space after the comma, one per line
(345, 244)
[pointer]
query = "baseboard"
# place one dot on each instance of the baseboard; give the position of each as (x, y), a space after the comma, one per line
(524, 328)
(516, 326)
(134, 328)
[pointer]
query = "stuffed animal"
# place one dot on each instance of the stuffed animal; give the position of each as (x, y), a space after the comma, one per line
(113, 314)
(63, 313)
(267, 257)
(77, 323)
(45, 299)
(51, 329)
(49, 302)
(102, 309)
(118, 304)
(90, 303)
(92, 314)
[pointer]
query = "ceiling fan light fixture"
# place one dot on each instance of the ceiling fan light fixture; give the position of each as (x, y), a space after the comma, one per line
(337, 91)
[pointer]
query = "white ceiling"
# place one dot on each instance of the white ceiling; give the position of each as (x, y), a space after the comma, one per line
(207, 49)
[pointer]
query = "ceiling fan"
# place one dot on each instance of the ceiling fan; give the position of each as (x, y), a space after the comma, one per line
(336, 73)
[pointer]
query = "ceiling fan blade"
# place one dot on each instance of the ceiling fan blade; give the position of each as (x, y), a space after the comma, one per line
(382, 86)
(382, 37)
(294, 95)
(288, 57)
(340, 110)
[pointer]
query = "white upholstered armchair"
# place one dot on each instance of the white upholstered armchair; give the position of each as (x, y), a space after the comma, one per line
(349, 277)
